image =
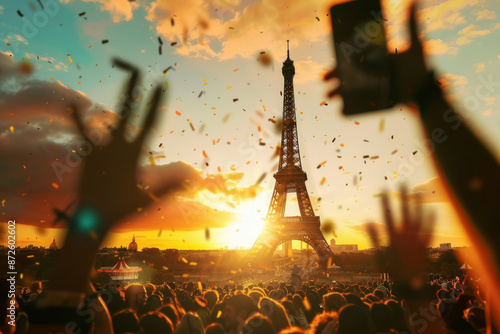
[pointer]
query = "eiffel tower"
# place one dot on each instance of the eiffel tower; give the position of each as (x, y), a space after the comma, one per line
(290, 178)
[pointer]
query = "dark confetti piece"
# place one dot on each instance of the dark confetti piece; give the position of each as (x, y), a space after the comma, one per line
(19, 13)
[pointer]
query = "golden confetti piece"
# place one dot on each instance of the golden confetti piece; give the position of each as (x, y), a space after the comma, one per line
(322, 180)
(381, 125)
(70, 60)
(160, 157)
(166, 84)
(153, 197)
(55, 185)
(205, 154)
(200, 286)
(219, 169)
(21, 276)
(321, 164)
(374, 157)
(185, 275)
(236, 69)
(207, 233)
(184, 260)
(224, 120)
(233, 272)
(11, 128)
(30, 256)
(193, 263)
(307, 305)
(219, 313)
(151, 160)
(394, 174)
(230, 282)
(228, 87)
(165, 268)
(3, 202)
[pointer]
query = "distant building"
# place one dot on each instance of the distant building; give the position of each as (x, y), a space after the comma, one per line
(53, 245)
(445, 246)
(348, 248)
(132, 247)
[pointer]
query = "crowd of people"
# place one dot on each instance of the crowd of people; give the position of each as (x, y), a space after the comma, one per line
(319, 308)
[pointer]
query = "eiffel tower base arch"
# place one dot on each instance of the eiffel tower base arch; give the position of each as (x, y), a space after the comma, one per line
(308, 232)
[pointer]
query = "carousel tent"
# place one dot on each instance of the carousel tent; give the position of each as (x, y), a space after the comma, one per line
(121, 271)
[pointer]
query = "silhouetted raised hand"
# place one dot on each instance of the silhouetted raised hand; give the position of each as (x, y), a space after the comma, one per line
(408, 79)
(108, 191)
(407, 242)
(108, 186)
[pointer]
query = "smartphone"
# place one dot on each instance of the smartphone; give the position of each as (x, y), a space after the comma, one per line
(363, 67)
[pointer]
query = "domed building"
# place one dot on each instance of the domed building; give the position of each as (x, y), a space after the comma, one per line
(132, 247)
(53, 245)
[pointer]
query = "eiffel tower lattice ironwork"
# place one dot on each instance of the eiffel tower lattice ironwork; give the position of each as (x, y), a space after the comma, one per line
(290, 178)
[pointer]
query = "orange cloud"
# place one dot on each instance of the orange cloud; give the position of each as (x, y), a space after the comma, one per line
(438, 47)
(119, 9)
(485, 15)
(432, 191)
(469, 33)
(262, 25)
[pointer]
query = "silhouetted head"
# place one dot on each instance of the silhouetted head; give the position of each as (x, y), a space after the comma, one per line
(353, 320)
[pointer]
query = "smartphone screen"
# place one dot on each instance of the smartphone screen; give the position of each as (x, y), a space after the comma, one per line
(362, 61)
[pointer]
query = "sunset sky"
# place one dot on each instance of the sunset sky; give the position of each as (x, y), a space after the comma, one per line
(217, 87)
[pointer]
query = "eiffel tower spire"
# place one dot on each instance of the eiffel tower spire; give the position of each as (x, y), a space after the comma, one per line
(290, 178)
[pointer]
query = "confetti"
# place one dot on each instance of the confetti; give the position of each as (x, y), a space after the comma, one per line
(381, 125)
(11, 128)
(236, 69)
(3, 203)
(357, 123)
(414, 152)
(321, 164)
(234, 100)
(322, 180)
(81, 14)
(177, 113)
(261, 178)
(105, 41)
(207, 234)
(201, 93)
(55, 185)
(205, 154)
(395, 151)
(167, 69)
(374, 157)
(323, 103)
(160, 41)
(19, 13)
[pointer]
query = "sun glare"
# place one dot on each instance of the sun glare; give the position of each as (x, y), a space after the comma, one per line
(248, 226)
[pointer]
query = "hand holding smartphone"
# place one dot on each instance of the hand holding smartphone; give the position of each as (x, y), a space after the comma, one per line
(363, 66)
